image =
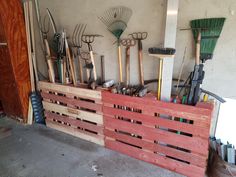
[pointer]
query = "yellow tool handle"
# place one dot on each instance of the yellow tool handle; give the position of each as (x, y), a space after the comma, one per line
(160, 80)
(120, 64)
(49, 62)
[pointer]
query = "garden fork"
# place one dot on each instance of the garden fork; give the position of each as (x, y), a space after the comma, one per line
(139, 36)
(89, 39)
(77, 45)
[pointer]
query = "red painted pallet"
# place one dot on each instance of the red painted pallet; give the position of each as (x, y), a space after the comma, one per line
(73, 110)
(151, 131)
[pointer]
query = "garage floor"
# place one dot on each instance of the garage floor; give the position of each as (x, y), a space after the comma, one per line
(37, 151)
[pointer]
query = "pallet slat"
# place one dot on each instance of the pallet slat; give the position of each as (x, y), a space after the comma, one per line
(75, 123)
(76, 132)
(173, 165)
(152, 121)
(73, 112)
(153, 134)
(74, 102)
(80, 92)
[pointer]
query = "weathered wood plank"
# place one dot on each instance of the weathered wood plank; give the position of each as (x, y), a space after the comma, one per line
(173, 165)
(80, 92)
(71, 101)
(75, 123)
(195, 144)
(98, 139)
(166, 123)
(194, 159)
(171, 109)
(93, 117)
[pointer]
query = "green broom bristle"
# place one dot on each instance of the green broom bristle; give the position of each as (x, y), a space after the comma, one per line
(210, 32)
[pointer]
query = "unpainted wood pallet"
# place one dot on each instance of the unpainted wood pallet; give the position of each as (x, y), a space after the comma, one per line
(73, 110)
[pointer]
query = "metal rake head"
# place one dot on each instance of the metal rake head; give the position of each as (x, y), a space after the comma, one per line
(77, 35)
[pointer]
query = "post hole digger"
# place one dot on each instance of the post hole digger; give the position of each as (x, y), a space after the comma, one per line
(139, 36)
(89, 39)
(116, 20)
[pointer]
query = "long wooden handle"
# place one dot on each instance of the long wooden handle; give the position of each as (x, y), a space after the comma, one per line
(94, 67)
(102, 69)
(140, 59)
(81, 74)
(198, 49)
(127, 65)
(49, 62)
(70, 62)
(120, 64)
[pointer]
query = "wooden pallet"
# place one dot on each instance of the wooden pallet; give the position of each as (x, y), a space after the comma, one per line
(73, 110)
(150, 130)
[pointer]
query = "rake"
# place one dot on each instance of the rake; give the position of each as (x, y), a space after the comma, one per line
(116, 19)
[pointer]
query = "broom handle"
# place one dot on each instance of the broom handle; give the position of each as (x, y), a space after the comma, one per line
(198, 48)
(120, 63)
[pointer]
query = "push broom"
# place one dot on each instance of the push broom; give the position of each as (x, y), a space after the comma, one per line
(116, 20)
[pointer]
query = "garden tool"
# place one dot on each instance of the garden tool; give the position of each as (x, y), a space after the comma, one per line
(71, 65)
(77, 45)
(102, 69)
(206, 33)
(86, 57)
(89, 39)
(139, 36)
(128, 43)
(47, 52)
(161, 53)
(116, 19)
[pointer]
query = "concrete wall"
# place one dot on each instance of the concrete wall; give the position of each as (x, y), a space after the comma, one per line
(149, 16)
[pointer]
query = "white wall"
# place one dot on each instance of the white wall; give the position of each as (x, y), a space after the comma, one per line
(148, 16)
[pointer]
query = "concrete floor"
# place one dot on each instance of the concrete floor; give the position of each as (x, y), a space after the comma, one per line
(37, 151)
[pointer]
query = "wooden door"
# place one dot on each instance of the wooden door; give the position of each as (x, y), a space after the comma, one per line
(14, 66)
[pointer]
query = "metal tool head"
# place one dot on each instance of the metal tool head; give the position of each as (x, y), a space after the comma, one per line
(45, 26)
(128, 42)
(77, 35)
(139, 35)
(89, 38)
(85, 56)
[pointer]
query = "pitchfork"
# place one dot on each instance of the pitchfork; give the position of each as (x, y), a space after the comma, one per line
(89, 39)
(139, 36)
(128, 43)
(77, 45)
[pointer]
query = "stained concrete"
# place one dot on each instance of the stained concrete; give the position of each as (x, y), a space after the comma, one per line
(38, 151)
